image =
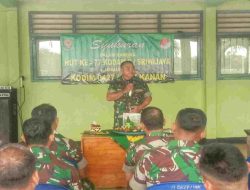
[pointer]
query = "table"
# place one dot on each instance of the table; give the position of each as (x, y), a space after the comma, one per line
(105, 160)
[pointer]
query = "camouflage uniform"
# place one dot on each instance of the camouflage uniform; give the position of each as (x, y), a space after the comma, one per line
(67, 149)
(126, 102)
(136, 150)
(53, 170)
(175, 162)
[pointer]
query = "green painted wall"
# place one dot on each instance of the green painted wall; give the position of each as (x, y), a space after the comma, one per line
(9, 58)
(4, 77)
(233, 100)
(226, 102)
(9, 55)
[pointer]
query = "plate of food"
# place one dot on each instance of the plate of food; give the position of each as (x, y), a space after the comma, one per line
(121, 132)
(131, 125)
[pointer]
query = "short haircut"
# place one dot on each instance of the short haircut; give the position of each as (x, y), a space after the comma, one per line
(223, 162)
(45, 112)
(191, 119)
(127, 62)
(152, 118)
(17, 165)
(36, 131)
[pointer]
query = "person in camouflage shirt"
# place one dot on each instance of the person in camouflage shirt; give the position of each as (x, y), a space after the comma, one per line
(130, 93)
(17, 168)
(62, 147)
(69, 150)
(38, 135)
(152, 122)
(223, 167)
(177, 161)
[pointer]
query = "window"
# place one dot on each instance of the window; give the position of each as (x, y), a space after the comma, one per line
(46, 27)
(48, 59)
(233, 44)
(186, 58)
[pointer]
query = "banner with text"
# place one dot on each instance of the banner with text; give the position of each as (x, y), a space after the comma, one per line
(94, 59)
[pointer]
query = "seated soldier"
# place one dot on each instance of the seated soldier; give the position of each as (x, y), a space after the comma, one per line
(17, 166)
(177, 161)
(152, 122)
(38, 136)
(62, 146)
(223, 167)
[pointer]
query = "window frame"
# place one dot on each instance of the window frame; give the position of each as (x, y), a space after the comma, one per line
(179, 35)
(34, 65)
(222, 35)
(199, 75)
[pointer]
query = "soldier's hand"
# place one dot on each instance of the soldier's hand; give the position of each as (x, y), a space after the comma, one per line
(135, 109)
(129, 87)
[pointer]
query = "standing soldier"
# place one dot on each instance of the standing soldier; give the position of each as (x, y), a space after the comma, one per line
(130, 93)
